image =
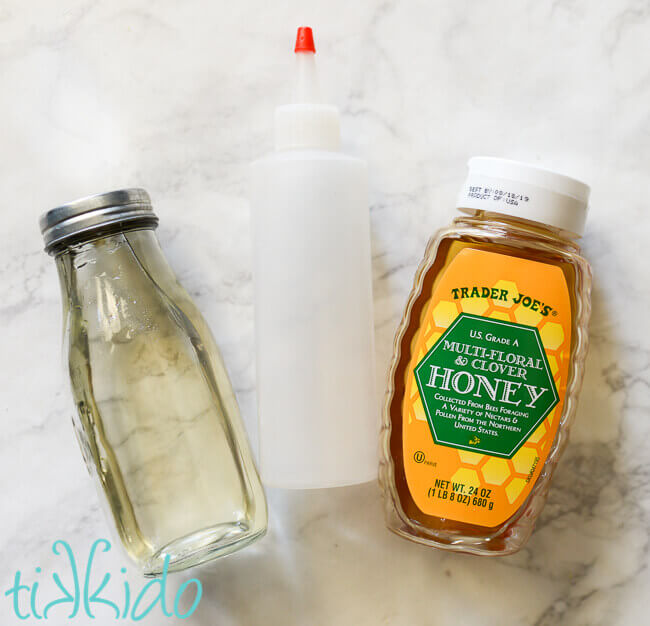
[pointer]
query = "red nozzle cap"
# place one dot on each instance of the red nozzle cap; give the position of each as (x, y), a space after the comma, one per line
(305, 40)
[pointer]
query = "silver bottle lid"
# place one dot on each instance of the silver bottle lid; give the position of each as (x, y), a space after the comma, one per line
(84, 217)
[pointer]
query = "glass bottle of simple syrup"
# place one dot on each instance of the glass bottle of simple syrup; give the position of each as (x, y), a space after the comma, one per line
(156, 417)
(488, 362)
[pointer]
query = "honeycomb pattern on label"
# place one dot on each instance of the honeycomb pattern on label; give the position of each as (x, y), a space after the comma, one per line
(477, 469)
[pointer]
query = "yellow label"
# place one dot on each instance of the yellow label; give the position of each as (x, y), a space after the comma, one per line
(485, 386)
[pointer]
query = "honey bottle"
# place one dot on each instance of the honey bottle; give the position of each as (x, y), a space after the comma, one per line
(488, 363)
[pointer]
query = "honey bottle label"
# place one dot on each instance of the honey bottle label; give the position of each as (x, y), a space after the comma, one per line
(485, 386)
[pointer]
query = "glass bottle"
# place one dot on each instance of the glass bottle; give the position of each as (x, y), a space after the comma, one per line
(488, 363)
(156, 418)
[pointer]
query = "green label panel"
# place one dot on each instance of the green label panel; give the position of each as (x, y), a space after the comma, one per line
(486, 385)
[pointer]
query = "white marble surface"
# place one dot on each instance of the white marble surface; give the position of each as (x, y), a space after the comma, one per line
(177, 97)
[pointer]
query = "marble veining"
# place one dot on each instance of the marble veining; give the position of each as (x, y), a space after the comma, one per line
(178, 98)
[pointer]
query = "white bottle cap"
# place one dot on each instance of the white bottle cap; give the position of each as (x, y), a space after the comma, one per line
(525, 191)
(307, 123)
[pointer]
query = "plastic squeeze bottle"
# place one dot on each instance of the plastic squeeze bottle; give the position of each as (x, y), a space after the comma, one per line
(318, 422)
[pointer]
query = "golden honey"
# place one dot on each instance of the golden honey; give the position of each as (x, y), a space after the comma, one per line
(488, 362)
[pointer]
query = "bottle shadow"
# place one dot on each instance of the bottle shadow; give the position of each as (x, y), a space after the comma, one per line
(592, 519)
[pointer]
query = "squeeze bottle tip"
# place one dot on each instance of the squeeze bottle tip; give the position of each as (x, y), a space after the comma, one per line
(305, 40)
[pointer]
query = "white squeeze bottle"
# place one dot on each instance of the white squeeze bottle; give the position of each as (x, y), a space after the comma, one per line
(318, 423)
